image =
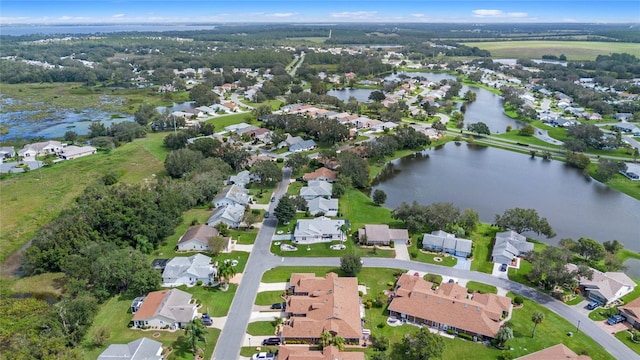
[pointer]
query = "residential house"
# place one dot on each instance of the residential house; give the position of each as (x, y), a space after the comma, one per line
(556, 352)
(319, 205)
(170, 308)
(234, 194)
(327, 353)
(229, 106)
(188, 270)
(290, 141)
(605, 287)
(196, 238)
(322, 174)
(447, 243)
(206, 110)
(41, 149)
(305, 145)
(321, 229)
(316, 189)
(508, 245)
(631, 312)
(7, 152)
(623, 116)
(629, 128)
(316, 304)
(448, 307)
(381, 235)
(141, 349)
(241, 179)
(246, 130)
(231, 215)
(73, 152)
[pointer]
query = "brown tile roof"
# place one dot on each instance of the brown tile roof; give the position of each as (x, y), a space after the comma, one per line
(633, 309)
(332, 304)
(200, 232)
(450, 305)
(328, 353)
(556, 352)
(321, 172)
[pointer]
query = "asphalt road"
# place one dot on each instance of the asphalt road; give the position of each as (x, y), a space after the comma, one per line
(260, 260)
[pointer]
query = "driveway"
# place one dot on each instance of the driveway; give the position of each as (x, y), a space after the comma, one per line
(500, 274)
(401, 250)
(281, 286)
(463, 263)
(582, 307)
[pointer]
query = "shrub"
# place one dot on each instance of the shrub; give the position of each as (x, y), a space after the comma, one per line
(414, 254)
(392, 245)
(279, 160)
(465, 336)
(505, 356)
(381, 325)
(450, 331)
(199, 283)
(518, 300)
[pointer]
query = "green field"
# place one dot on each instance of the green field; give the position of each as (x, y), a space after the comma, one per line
(573, 50)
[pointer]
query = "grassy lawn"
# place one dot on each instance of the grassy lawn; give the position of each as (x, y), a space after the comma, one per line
(632, 295)
(625, 337)
(360, 210)
(620, 183)
(248, 351)
(48, 283)
(32, 199)
(575, 301)
(283, 273)
(425, 257)
(324, 250)
(269, 297)
(261, 196)
(481, 288)
(482, 245)
(261, 328)
(573, 50)
(599, 314)
(513, 135)
(244, 237)
(294, 187)
(519, 275)
(223, 121)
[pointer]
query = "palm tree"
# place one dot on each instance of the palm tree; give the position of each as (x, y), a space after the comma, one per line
(226, 271)
(338, 342)
(504, 334)
(195, 332)
(325, 339)
(537, 317)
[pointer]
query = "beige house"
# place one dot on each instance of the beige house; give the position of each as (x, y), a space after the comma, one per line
(196, 238)
(381, 235)
(165, 308)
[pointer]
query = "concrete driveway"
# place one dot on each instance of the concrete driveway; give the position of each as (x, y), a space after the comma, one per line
(463, 263)
(281, 286)
(500, 274)
(401, 250)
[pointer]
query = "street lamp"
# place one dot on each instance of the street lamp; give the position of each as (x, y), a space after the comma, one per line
(578, 328)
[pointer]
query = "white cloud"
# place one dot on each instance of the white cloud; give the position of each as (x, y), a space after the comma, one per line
(419, 15)
(493, 13)
(281, 15)
(118, 16)
(354, 15)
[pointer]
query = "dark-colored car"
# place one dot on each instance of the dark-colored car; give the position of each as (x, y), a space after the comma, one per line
(278, 306)
(615, 319)
(207, 320)
(271, 341)
(592, 305)
(266, 215)
(503, 267)
(273, 199)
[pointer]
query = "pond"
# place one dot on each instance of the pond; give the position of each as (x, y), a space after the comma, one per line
(490, 181)
(488, 109)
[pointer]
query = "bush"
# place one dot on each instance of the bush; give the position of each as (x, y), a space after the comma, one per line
(414, 254)
(465, 336)
(505, 356)
(450, 331)
(381, 325)
(279, 160)
(199, 283)
(518, 300)
(392, 245)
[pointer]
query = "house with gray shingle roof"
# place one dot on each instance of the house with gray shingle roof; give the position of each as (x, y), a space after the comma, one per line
(233, 194)
(508, 245)
(319, 205)
(230, 215)
(196, 238)
(318, 230)
(316, 189)
(447, 243)
(305, 145)
(141, 349)
(188, 270)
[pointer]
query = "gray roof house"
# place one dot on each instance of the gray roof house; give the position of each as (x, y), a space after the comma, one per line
(196, 238)
(230, 215)
(318, 230)
(303, 146)
(328, 207)
(141, 349)
(73, 152)
(7, 152)
(447, 243)
(508, 245)
(169, 307)
(628, 128)
(233, 194)
(316, 189)
(41, 148)
(188, 270)
(381, 235)
(242, 178)
(605, 287)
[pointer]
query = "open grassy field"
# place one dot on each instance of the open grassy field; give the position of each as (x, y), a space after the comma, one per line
(625, 337)
(573, 50)
(32, 199)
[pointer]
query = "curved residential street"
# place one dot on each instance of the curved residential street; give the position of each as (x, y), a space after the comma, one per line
(261, 260)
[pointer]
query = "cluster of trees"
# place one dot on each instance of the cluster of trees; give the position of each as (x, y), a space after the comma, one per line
(437, 216)
(204, 155)
(588, 136)
(405, 138)
(325, 131)
(549, 268)
(419, 345)
(593, 252)
(521, 220)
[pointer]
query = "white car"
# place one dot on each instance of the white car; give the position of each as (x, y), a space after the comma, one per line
(263, 355)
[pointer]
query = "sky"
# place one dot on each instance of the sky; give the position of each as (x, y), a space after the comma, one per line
(316, 11)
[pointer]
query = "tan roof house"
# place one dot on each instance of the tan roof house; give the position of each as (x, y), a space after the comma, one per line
(328, 353)
(381, 235)
(448, 307)
(556, 352)
(319, 304)
(196, 238)
(631, 312)
(605, 287)
(163, 308)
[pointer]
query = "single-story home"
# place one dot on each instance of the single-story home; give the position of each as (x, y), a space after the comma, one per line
(556, 352)
(319, 205)
(318, 304)
(448, 306)
(606, 287)
(623, 116)
(305, 145)
(73, 152)
(233, 194)
(196, 238)
(327, 353)
(628, 128)
(316, 189)
(321, 229)
(381, 235)
(231, 215)
(169, 307)
(631, 312)
(141, 349)
(41, 149)
(241, 179)
(322, 174)
(188, 270)
(7, 152)
(508, 245)
(447, 243)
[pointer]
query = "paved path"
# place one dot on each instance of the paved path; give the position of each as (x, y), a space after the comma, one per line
(272, 286)
(401, 250)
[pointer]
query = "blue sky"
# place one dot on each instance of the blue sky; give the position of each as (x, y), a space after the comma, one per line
(324, 11)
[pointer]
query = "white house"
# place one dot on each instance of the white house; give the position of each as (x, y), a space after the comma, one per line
(188, 270)
(234, 194)
(165, 308)
(318, 230)
(41, 149)
(141, 349)
(316, 189)
(73, 152)
(230, 215)
(327, 207)
(605, 287)
(196, 238)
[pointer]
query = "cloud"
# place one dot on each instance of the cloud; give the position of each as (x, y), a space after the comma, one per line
(117, 16)
(492, 13)
(281, 15)
(419, 15)
(355, 15)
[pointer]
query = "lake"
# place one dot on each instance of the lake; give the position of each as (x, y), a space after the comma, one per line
(490, 181)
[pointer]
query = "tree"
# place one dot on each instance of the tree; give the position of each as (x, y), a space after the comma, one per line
(179, 163)
(504, 334)
(341, 186)
(377, 96)
(528, 130)
(216, 244)
(590, 249)
(579, 160)
(607, 168)
(613, 246)
(262, 110)
(268, 172)
(339, 342)
(70, 136)
(438, 125)
(350, 264)
(297, 161)
(469, 220)
(549, 268)
(195, 332)
(96, 128)
(521, 220)
(470, 96)
(202, 95)
(101, 336)
(226, 271)
(325, 339)
(285, 211)
(76, 316)
(421, 345)
(379, 197)
(354, 167)
(479, 128)
(379, 342)
(146, 113)
(537, 317)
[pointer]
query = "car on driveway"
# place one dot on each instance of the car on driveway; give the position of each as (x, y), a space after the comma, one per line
(263, 356)
(592, 305)
(615, 319)
(278, 306)
(271, 341)
(207, 320)
(503, 267)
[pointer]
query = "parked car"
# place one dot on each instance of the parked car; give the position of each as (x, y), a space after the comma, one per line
(273, 198)
(263, 355)
(615, 319)
(279, 306)
(271, 341)
(207, 320)
(503, 267)
(266, 215)
(592, 305)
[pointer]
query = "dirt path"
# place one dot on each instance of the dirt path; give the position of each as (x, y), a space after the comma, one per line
(11, 266)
